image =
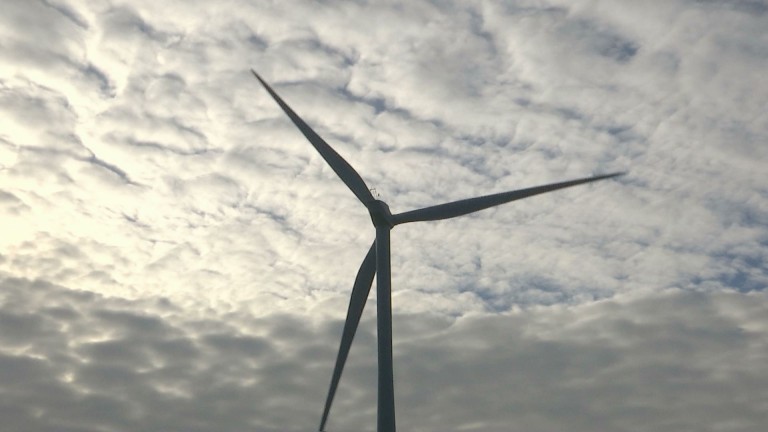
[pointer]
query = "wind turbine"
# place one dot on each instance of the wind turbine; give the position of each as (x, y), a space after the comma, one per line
(377, 261)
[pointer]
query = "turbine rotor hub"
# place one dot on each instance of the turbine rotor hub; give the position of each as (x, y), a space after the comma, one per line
(380, 214)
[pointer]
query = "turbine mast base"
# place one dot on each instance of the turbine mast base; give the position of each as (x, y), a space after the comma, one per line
(386, 402)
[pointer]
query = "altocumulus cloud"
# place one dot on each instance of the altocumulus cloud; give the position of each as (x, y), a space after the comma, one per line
(73, 360)
(176, 257)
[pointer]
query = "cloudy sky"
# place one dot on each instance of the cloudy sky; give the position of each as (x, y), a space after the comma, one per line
(174, 256)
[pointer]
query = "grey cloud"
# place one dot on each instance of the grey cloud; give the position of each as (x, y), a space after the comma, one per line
(47, 39)
(71, 13)
(756, 7)
(600, 41)
(43, 119)
(677, 359)
(102, 363)
(62, 35)
(11, 204)
(112, 169)
(595, 358)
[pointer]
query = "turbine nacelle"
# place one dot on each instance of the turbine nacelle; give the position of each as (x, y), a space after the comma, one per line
(380, 214)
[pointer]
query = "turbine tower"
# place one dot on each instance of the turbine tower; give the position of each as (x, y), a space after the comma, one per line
(377, 261)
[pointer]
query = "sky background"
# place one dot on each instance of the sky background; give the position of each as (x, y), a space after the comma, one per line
(174, 256)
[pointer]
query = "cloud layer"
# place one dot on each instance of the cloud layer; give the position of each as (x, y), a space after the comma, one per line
(141, 157)
(73, 360)
(176, 256)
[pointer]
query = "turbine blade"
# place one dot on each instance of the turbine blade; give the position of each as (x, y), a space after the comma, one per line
(462, 207)
(360, 291)
(340, 166)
